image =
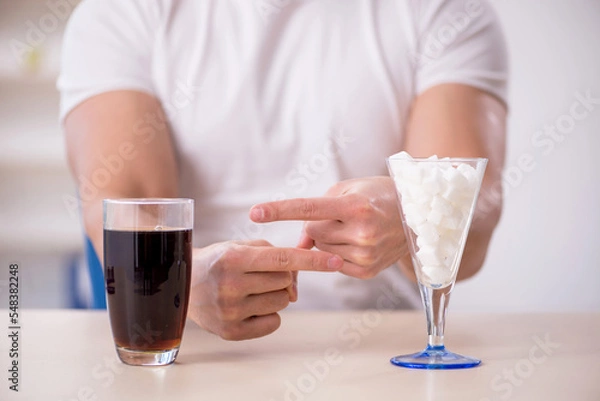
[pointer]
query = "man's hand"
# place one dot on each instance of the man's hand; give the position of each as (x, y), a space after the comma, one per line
(356, 219)
(238, 287)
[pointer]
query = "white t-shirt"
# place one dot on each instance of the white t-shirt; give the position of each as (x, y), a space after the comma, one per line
(275, 99)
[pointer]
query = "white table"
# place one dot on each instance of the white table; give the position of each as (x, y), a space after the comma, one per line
(69, 355)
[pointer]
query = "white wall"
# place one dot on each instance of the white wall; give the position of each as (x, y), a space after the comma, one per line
(546, 252)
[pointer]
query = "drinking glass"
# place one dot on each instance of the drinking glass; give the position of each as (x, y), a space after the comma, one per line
(437, 200)
(147, 268)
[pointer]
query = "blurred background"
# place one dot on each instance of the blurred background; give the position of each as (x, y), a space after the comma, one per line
(545, 255)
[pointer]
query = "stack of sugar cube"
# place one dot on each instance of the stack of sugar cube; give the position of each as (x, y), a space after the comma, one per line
(436, 200)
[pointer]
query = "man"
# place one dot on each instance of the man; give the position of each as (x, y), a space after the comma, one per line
(291, 107)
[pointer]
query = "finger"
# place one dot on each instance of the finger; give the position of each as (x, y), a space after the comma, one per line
(306, 209)
(291, 294)
(329, 231)
(293, 289)
(252, 327)
(264, 259)
(255, 242)
(265, 304)
(305, 241)
(358, 271)
(361, 256)
(263, 282)
(359, 262)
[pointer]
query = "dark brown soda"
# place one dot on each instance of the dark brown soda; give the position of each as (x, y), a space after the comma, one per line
(147, 277)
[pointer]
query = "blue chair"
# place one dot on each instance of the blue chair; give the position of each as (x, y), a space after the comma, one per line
(96, 276)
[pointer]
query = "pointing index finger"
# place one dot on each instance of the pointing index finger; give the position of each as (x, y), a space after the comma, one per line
(290, 259)
(304, 209)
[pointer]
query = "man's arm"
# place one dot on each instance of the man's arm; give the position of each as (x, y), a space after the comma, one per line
(359, 220)
(119, 144)
(460, 121)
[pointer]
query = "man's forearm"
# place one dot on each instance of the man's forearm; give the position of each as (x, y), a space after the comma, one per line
(92, 221)
(475, 252)
(485, 220)
(101, 126)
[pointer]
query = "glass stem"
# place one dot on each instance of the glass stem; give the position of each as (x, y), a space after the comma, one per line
(435, 302)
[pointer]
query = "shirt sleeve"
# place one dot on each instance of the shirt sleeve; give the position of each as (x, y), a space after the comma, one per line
(460, 41)
(107, 46)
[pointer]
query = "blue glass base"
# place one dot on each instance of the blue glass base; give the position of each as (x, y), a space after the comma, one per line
(435, 358)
